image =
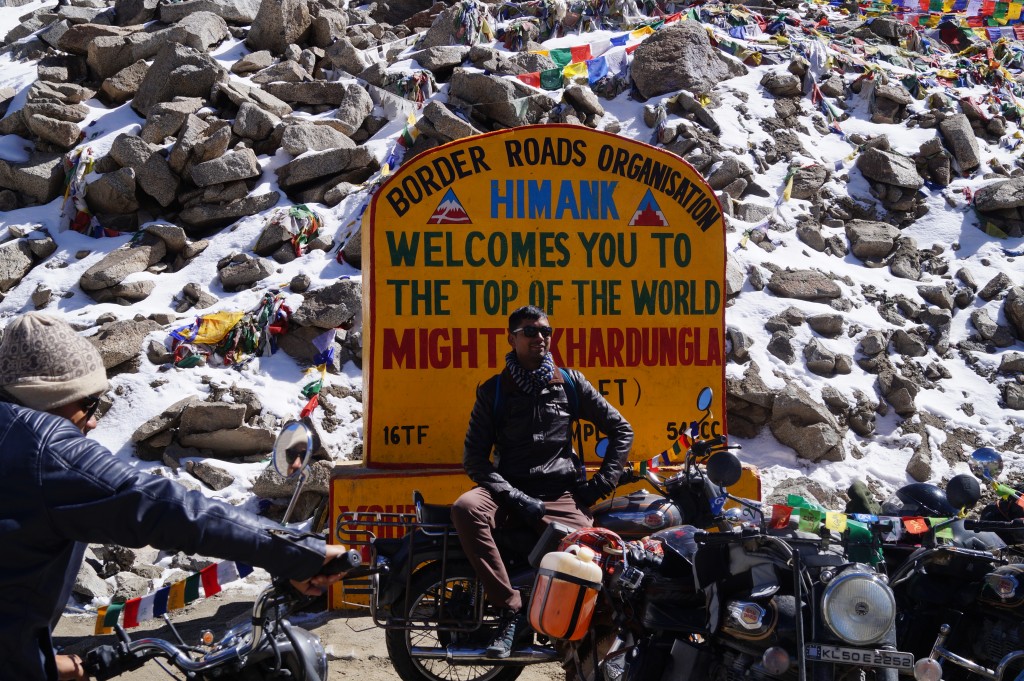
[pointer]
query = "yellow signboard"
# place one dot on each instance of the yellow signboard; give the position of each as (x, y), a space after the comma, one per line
(622, 244)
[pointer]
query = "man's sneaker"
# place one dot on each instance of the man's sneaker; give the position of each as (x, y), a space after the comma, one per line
(511, 625)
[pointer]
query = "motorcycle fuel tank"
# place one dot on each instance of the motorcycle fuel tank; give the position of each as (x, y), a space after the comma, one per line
(637, 515)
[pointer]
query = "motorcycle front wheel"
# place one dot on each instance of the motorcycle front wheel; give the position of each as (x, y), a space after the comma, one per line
(458, 589)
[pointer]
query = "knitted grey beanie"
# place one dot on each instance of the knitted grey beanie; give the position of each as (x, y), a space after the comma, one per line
(44, 364)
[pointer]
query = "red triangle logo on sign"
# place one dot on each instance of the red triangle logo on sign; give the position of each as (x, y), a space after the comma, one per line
(450, 212)
(648, 213)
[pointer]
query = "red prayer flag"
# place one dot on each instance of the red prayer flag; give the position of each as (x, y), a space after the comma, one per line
(632, 48)
(131, 613)
(1020, 501)
(780, 516)
(580, 53)
(915, 525)
(209, 576)
(530, 78)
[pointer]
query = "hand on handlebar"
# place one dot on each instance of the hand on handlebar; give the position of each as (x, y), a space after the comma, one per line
(337, 557)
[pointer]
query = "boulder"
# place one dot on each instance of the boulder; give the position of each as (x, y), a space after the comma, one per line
(177, 71)
(889, 168)
(804, 285)
(330, 307)
(118, 264)
(1013, 309)
(120, 341)
(300, 137)
(15, 262)
(278, 24)
(113, 193)
(958, 137)
(804, 424)
(500, 99)
(353, 109)
(206, 417)
(235, 165)
(233, 11)
(209, 215)
(243, 441)
(871, 240)
(124, 84)
(680, 57)
(40, 178)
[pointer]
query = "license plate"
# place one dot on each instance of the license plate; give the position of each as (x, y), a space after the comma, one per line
(858, 656)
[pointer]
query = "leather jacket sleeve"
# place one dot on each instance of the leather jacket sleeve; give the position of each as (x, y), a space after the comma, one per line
(93, 496)
(596, 409)
(480, 438)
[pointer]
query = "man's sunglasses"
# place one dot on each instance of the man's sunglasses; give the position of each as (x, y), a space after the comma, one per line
(534, 331)
(90, 405)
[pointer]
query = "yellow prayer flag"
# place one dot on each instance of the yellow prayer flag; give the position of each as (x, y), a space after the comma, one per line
(543, 53)
(101, 614)
(176, 597)
(835, 521)
(641, 32)
(1015, 8)
(577, 70)
(214, 326)
(788, 192)
(947, 5)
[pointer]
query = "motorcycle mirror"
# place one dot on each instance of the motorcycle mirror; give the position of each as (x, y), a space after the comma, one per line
(963, 491)
(724, 469)
(292, 449)
(704, 398)
(986, 463)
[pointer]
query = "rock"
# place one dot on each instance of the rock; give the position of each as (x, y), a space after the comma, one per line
(131, 12)
(820, 360)
(298, 138)
(939, 296)
(782, 84)
(212, 476)
(1013, 309)
(15, 262)
(327, 26)
(206, 417)
(908, 344)
(330, 307)
(237, 93)
(781, 345)
(808, 180)
(166, 118)
(889, 168)
(959, 139)
(278, 24)
(41, 177)
(800, 422)
(321, 164)
(243, 441)
(905, 263)
(124, 84)
(124, 294)
(1000, 196)
(1012, 363)
(233, 11)
(237, 275)
(441, 60)
(204, 216)
(173, 236)
(131, 151)
(177, 71)
(989, 330)
(680, 57)
(164, 421)
(252, 62)
(445, 124)
(113, 193)
(120, 341)
(898, 391)
(500, 99)
(804, 285)
(113, 268)
(871, 241)
(235, 165)
(347, 57)
(828, 325)
(353, 108)
(1013, 396)
(89, 586)
(453, 27)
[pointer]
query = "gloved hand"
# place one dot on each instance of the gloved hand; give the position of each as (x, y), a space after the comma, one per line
(105, 662)
(588, 493)
(526, 506)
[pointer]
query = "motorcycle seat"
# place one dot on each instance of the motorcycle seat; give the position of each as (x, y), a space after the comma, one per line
(431, 514)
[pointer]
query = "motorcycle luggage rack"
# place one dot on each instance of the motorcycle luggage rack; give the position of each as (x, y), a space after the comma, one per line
(432, 521)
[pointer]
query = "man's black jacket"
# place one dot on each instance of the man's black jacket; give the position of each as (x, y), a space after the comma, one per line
(59, 490)
(531, 438)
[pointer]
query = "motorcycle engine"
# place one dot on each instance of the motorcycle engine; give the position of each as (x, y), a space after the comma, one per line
(998, 637)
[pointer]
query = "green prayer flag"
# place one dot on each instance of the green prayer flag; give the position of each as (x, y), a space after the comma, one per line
(192, 583)
(113, 612)
(810, 520)
(551, 79)
(860, 549)
(562, 57)
(1002, 9)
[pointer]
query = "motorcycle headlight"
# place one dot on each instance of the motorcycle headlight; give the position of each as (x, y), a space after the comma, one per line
(859, 607)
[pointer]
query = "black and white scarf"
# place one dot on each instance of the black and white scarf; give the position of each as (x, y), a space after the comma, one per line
(531, 382)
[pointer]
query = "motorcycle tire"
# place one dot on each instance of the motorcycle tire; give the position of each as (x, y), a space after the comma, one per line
(424, 591)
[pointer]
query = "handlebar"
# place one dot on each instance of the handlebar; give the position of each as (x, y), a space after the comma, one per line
(343, 563)
(993, 525)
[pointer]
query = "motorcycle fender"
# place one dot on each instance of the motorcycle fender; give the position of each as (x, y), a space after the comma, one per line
(307, 648)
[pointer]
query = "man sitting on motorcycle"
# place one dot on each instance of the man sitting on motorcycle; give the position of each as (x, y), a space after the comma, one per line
(525, 415)
(59, 490)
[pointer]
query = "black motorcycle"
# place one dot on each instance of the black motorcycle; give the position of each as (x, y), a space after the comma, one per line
(960, 599)
(751, 602)
(425, 594)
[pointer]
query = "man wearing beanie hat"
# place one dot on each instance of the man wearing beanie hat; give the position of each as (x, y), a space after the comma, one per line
(60, 491)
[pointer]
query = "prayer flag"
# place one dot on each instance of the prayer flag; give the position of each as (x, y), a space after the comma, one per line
(530, 78)
(243, 570)
(915, 525)
(561, 57)
(192, 587)
(600, 47)
(597, 69)
(112, 613)
(578, 70)
(946, 532)
(160, 601)
(580, 53)
(131, 613)
(551, 79)
(810, 520)
(619, 40)
(209, 577)
(835, 521)
(146, 607)
(176, 596)
(101, 616)
(780, 516)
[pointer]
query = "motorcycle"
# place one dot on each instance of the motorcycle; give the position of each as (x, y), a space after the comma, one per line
(751, 601)
(267, 646)
(961, 602)
(427, 598)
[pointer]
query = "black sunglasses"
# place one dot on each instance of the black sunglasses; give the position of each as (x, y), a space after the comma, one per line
(534, 331)
(90, 404)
